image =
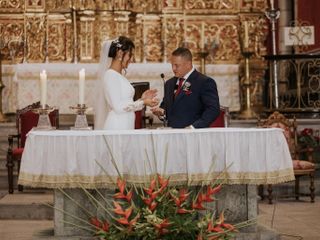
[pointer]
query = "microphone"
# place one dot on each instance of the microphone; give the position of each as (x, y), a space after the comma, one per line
(164, 117)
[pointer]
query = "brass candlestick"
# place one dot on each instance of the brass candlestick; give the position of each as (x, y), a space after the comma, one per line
(203, 55)
(247, 112)
(81, 122)
(44, 120)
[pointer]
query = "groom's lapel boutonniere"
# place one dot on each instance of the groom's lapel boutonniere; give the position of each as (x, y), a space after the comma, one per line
(186, 88)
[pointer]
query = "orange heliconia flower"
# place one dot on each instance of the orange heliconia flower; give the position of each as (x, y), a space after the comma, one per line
(214, 228)
(121, 184)
(219, 225)
(152, 206)
(119, 195)
(162, 227)
(105, 226)
(228, 226)
(163, 182)
(198, 206)
(129, 195)
(123, 221)
(151, 188)
(147, 201)
(184, 211)
(183, 195)
(211, 190)
(199, 237)
(176, 200)
(96, 222)
(118, 209)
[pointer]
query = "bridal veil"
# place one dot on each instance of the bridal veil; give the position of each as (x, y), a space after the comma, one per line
(101, 107)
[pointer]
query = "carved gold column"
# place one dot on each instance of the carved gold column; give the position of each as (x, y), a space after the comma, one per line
(86, 35)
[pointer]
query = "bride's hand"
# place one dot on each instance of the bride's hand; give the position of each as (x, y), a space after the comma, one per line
(151, 102)
(149, 94)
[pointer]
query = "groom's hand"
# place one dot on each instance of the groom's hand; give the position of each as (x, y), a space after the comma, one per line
(157, 111)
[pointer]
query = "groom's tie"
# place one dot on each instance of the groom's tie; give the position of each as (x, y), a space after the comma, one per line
(181, 80)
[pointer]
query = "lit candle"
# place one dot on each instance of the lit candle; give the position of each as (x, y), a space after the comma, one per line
(82, 76)
(43, 88)
(202, 35)
(272, 4)
(246, 35)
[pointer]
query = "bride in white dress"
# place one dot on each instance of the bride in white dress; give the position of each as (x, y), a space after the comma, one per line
(115, 107)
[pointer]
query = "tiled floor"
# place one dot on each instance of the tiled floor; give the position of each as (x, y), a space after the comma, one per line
(292, 219)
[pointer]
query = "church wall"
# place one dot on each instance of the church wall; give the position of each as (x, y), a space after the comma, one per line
(65, 31)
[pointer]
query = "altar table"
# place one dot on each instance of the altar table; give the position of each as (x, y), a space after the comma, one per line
(75, 159)
(69, 159)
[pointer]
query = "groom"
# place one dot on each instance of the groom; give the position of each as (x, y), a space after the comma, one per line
(190, 98)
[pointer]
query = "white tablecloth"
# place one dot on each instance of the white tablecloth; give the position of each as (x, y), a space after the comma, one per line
(66, 158)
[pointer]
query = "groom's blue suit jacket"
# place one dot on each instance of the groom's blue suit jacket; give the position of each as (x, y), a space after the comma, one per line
(197, 103)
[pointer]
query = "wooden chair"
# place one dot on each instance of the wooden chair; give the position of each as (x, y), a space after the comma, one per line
(223, 119)
(26, 119)
(141, 118)
(300, 167)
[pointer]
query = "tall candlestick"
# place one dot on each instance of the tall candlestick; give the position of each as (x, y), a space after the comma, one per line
(272, 4)
(82, 77)
(246, 35)
(202, 36)
(43, 88)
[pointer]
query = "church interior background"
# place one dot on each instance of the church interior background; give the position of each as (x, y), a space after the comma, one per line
(63, 37)
(263, 54)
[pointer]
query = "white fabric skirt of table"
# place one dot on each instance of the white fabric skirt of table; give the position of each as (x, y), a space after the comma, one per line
(91, 159)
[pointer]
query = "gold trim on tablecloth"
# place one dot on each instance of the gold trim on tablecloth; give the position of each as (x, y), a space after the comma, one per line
(104, 181)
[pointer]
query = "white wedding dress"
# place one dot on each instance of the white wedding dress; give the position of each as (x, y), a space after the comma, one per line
(118, 93)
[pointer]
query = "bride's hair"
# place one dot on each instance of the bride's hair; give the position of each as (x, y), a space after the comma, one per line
(122, 43)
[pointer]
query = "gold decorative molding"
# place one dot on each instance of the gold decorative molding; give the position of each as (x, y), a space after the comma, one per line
(157, 27)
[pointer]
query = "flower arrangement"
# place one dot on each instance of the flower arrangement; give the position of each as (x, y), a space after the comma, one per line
(159, 211)
(156, 210)
(186, 88)
(309, 138)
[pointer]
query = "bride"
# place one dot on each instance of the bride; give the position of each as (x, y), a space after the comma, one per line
(114, 108)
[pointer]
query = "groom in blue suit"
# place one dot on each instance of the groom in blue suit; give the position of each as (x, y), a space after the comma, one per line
(190, 98)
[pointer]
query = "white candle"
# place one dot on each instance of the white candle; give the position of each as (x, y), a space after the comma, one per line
(43, 88)
(202, 35)
(272, 4)
(82, 77)
(246, 35)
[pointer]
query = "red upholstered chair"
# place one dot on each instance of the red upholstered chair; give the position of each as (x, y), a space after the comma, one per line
(223, 118)
(26, 119)
(300, 167)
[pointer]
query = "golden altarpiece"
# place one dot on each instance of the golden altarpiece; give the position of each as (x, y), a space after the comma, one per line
(71, 31)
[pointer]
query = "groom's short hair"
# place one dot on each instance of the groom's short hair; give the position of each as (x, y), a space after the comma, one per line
(183, 52)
